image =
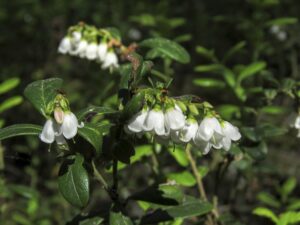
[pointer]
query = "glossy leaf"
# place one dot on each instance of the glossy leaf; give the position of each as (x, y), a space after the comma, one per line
(92, 221)
(95, 110)
(133, 106)
(184, 178)
(168, 48)
(73, 182)
(20, 130)
(264, 212)
(179, 155)
(92, 134)
(191, 207)
(117, 218)
(40, 93)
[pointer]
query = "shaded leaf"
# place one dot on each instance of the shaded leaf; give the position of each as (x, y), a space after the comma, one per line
(20, 130)
(10, 102)
(9, 84)
(92, 134)
(264, 212)
(209, 83)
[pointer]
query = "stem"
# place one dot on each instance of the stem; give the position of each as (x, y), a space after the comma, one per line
(196, 172)
(155, 161)
(115, 175)
(210, 220)
(98, 176)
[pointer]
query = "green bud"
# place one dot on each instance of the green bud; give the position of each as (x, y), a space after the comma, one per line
(181, 105)
(193, 109)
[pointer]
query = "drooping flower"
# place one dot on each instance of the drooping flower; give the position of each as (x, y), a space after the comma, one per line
(174, 118)
(110, 60)
(49, 132)
(188, 132)
(102, 51)
(209, 134)
(82, 48)
(70, 125)
(155, 122)
(294, 122)
(65, 45)
(76, 36)
(135, 125)
(231, 133)
(91, 51)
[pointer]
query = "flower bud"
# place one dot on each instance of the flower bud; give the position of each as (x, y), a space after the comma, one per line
(59, 115)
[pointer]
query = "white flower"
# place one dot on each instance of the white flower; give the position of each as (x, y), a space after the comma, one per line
(82, 48)
(155, 122)
(76, 36)
(281, 36)
(174, 118)
(110, 61)
(275, 29)
(70, 125)
(102, 51)
(65, 45)
(209, 134)
(49, 132)
(294, 122)
(189, 131)
(231, 133)
(135, 125)
(91, 51)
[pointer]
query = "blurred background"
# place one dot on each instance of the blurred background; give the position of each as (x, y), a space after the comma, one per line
(264, 34)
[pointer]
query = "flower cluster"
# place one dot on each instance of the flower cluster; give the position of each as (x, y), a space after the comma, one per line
(294, 122)
(63, 126)
(88, 44)
(176, 122)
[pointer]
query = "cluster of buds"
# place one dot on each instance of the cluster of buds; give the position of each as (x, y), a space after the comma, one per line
(61, 123)
(91, 43)
(170, 119)
(294, 122)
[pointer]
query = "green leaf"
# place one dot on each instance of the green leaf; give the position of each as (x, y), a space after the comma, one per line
(229, 77)
(273, 110)
(236, 48)
(229, 111)
(268, 199)
(259, 152)
(209, 83)
(282, 21)
(167, 48)
(73, 182)
(251, 70)
(184, 178)
(95, 110)
(209, 68)
(264, 212)
(133, 106)
(10, 102)
(117, 218)
(288, 186)
(40, 93)
(289, 218)
(114, 32)
(294, 205)
(9, 85)
(123, 150)
(163, 195)
(92, 221)
(209, 54)
(190, 208)
(92, 134)
(179, 155)
(20, 130)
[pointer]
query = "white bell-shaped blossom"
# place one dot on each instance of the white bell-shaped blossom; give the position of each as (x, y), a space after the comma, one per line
(82, 49)
(76, 36)
(49, 132)
(204, 146)
(174, 118)
(188, 132)
(102, 51)
(65, 45)
(231, 133)
(155, 122)
(294, 122)
(135, 125)
(110, 60)
(70, 125)
(91, 51)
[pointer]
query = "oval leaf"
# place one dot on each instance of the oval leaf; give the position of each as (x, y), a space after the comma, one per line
(9, 84)
(167, 48)
(40, 93)
(209, 82)
(93, 135)
(73, 182)
(19, 130)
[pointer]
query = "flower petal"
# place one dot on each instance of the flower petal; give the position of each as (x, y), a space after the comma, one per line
(48, 132)
(69, 126)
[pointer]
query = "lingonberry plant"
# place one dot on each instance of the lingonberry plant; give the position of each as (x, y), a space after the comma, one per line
(146, 112)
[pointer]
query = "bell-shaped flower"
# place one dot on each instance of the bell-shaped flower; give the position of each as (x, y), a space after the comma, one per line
(49, 132)
(203, 145)
(110, 60)
(208, 127)
(174, 118)
(76, 36)
(91, 51)
(65, 45)
(82, 48)
(102, 51)
(70, 125)
(231, 133)
(155, 122)
(135, 125)
(188, 132)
